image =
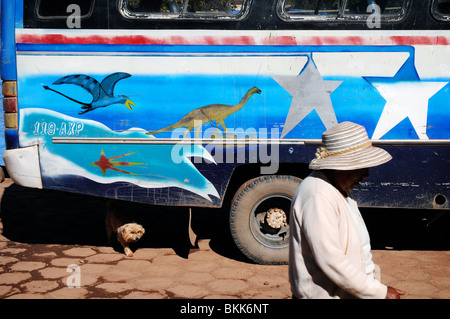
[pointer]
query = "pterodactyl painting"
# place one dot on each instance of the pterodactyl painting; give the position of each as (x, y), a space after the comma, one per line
(102, 93)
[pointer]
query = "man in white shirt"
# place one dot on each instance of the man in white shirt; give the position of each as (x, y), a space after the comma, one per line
(329, 252)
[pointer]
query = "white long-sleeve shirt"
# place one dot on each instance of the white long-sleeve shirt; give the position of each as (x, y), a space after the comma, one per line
(364, 237)
(326, 256)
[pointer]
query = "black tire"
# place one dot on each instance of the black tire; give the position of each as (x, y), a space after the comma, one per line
(257, 241)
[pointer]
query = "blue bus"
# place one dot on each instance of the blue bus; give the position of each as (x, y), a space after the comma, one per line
(222, 103)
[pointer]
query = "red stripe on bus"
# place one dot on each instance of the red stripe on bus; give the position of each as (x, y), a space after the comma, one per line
(238, 40)
(420, 40)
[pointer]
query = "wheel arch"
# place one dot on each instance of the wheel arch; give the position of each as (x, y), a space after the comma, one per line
(246, 172)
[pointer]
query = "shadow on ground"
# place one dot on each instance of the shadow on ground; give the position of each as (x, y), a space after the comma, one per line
(55, 217)
(407, 229)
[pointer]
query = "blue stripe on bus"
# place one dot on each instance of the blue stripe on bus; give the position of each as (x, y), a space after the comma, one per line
(219, 49)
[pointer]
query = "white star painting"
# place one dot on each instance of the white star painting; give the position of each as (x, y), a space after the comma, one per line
(405, 99)
(309, 92)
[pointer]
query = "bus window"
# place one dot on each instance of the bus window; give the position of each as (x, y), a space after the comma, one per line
(387, 7)
(340, 10)
(50, 9)
(441, 10)
(154, 9)
(160, 6)
(305, 8)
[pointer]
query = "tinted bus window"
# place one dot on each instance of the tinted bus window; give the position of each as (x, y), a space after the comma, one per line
(441, 9)
(340, 10)
(443, 6)
(50, 9)
(154, 9)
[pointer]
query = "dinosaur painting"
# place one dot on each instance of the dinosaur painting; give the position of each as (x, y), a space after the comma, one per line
(208, 113)
(102, 93)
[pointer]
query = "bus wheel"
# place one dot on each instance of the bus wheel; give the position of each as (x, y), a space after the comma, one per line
(259, 218)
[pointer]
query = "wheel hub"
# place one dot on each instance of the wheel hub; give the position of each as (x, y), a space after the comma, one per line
(269, 224)
(275, 218)
(274, 222)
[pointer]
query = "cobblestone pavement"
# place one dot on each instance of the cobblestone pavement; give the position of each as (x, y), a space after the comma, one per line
(51, 241)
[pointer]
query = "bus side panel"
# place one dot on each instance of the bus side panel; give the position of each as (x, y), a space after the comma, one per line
(416, 177)
(78, 96)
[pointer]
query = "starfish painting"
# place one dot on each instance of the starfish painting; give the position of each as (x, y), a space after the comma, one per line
(105, 163)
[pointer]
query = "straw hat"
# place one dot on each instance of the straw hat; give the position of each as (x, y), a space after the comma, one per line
(346, 146)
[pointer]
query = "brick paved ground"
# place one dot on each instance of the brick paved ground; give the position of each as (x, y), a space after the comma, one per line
(43, 232)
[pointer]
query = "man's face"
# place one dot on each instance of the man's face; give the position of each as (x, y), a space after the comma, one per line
(348, 180)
